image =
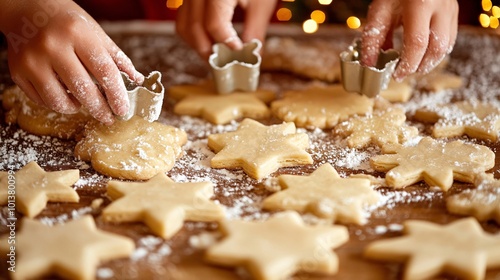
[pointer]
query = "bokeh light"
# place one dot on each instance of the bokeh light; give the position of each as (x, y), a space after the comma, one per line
(484, 20)
(486, 5)
(174, 4)
(494, 22)
(353, 22)
(283, 14)
(325, 2)
(310, 26)
(318, 16)
(495, 11)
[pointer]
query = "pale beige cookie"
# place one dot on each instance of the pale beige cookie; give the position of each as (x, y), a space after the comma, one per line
(162, 204)
(379, 128)
(439, 80)
(258, 149)
(31, 188)
(320, 107)
(39, 120)
(222, 109)
(475, 119)
(460, 248)
(437, 163)
(315, 60)
(72, 250)
(397, 91)
(279, 247)
(135, 149)
(325, 194)
(483, 202)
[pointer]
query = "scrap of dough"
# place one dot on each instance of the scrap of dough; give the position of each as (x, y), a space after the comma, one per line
(325, 194)
(380, 128)
(34, 188)
(72, 250)
(278, 247)
(162, 204)
(437, 163)
(258, 149)
(321, 107)
(460, 248)
(475, 119)
(135, 149)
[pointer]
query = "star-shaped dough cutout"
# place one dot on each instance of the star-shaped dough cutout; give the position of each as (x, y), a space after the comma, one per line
(321, 107)
(380, 128)
(475, 119)
(258, 149)
(222, 109)
(162, 204)
(460, 248)
(72, 250)
(325, 194)
(483, 202)
(34, 188)
(437, 163)
(278, 247)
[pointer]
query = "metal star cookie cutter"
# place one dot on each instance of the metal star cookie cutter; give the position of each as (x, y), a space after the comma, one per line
(236, 69)
(145, 100)
(368, 81)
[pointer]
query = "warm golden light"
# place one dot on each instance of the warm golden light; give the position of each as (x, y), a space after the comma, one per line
(174, 4)
(288, 0)
(353, 22)
(486, 5)
(310, 26)
(284, 14)
(318, 16)
(495, 11)
(325, 2)
(484, 20)
(494, 22)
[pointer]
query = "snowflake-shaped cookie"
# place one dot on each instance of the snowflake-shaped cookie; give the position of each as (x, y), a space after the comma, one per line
(437, 163)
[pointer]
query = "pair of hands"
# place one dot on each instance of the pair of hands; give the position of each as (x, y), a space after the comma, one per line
(54, 45)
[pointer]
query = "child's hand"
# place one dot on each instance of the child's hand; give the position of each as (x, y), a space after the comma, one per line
(55, 49)
(201, 23)
(430, 29)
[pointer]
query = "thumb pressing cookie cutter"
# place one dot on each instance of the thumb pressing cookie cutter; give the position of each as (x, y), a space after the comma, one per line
(365, 80)
(236, 69)
(145, 100)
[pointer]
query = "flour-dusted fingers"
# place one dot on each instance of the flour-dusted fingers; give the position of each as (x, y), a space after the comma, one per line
(190, 26)
(258, 14)
(29, 90)
(124, 64)
(53, 93)
(218, 22)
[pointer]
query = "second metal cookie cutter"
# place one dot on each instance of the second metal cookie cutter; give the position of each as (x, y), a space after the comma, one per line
(145, 100)
(368, 81)
(236, 70)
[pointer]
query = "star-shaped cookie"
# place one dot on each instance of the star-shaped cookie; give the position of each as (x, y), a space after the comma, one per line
(72, 250)
(325, 194)
(473, 118)
(32, 188)
(278, 247)
(162, 204)
(321, 107)
(380, 128)
(437, 163)
(258, 149)
(460, 248)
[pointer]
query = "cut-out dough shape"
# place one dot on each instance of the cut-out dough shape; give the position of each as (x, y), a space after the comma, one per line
(320, 107)
(435, 162)
(380, 128)
(397, 92)
(135, 149)
(278, 247)
(72, 250)
(438, 81)
(34, 188)
(482, 202)
(460, 248)
(325, 194)
(162, 204)
(38, 120)
(258, 149)
(475, 119)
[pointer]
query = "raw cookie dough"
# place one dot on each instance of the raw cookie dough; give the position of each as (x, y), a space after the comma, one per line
(162, 204)
(72, 250)
(39, 120)
(135, 149)
(320, 107)
(460, 248)
(397, 92)
(258, 149)
(437, 163)
(325, 194)
(34, 188)
(278, 247)
(439, 80)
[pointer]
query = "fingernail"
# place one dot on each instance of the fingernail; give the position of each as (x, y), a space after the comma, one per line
(234, 42)
(139, 78)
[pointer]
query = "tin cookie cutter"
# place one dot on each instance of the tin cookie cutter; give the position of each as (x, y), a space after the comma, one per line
(368, 81)
(236, 69)
(145, 100)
